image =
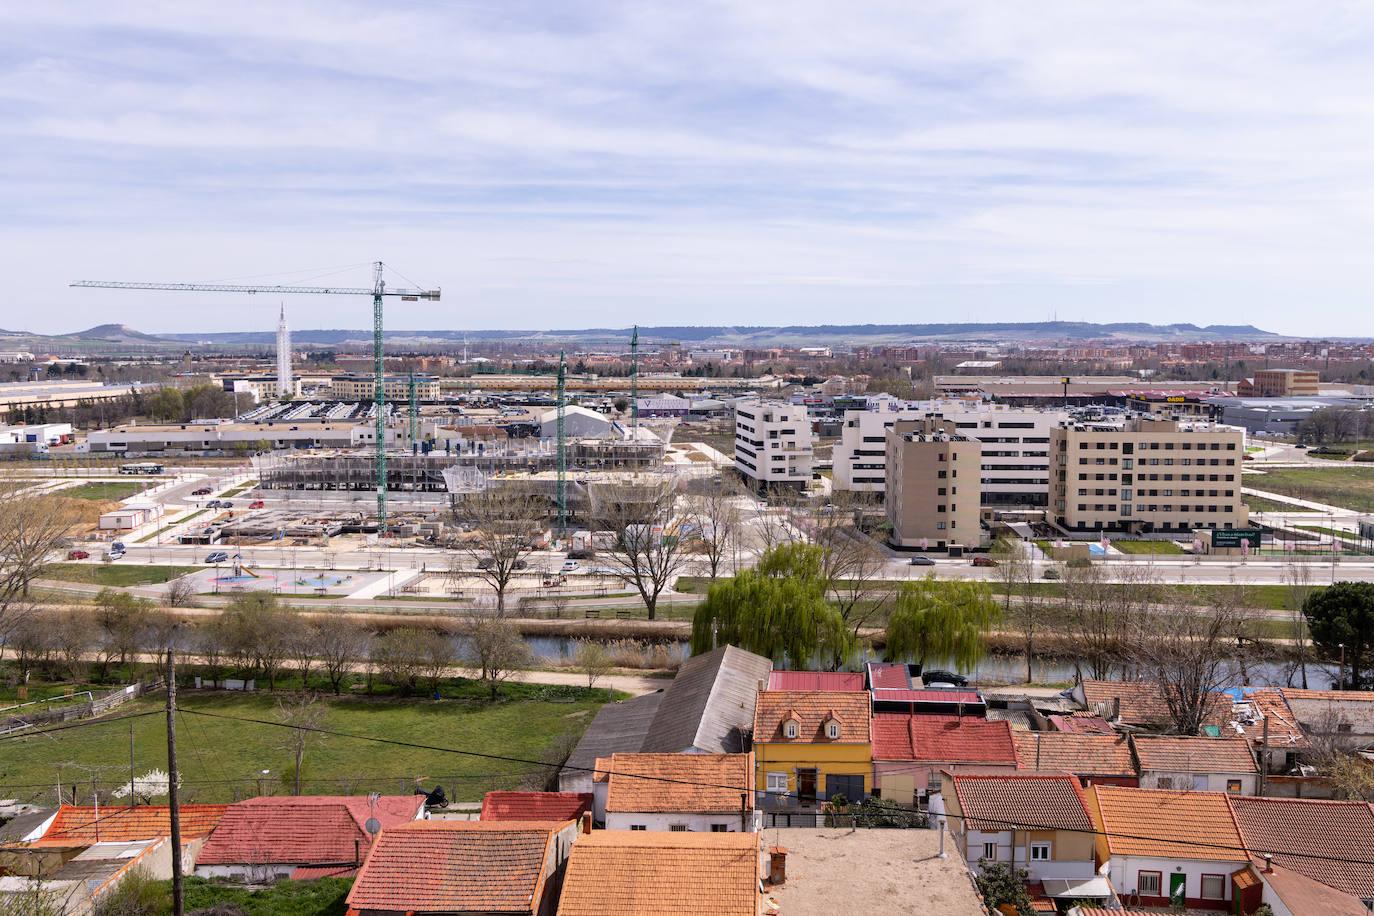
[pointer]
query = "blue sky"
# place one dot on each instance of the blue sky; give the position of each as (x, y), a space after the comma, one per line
(753, 162)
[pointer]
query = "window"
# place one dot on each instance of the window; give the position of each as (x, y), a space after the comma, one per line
(1233, 786)
(638, 827)
(1040, 852)
(990, 852)
(790, 728)
(832, 729)
(677, 828)
(1148, 883)
(720, 828)
(777, 782)
(1213, 887)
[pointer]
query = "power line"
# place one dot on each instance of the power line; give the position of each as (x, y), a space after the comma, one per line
(82, 724)
(966, 817)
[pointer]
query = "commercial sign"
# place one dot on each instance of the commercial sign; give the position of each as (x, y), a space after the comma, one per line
(1176, 399)
(1234, 537)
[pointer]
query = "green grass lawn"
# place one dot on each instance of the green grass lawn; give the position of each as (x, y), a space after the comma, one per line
(118, 574)
(1351, 488)
(1147, 547)
(241, 488)
(221, 759)
(1261, 504)
(105, 490)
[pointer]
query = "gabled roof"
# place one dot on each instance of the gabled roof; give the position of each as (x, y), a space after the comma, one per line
(995, 801)
(1312, 829)
(1168, 825)
(444, 866)
(302, 829)
(1327, 710)
(1301, 894)
(710, 703)
(1269, 706)
(1178, 754)
(1080, 754)
(890, 675)
(616, 727)
(78, 825)
(648, 873)
(686, 783)
(535, 806)
(1082, 724)
(941, 739)
(1143, 703)
(812, 709)
(815, 680)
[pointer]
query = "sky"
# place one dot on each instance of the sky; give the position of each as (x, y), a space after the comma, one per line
(588, 163)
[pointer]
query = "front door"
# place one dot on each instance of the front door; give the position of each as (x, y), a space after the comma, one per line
(851, 787)
(806, 787)
(1178, 890)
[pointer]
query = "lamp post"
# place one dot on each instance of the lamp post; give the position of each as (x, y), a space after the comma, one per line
(1340, 672)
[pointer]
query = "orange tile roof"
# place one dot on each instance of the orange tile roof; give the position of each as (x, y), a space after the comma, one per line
(646, 873)
(535, 806)
(941, 739)
(77, 825)
(1347, 696)
(1312, 829)
(1178, 754)
(302, 829)
(705, 783)
(1168, 825)
(1052, 801)
(1142, 703)
(812, 708)
(1284, 731)
(1072, 752)
(457, 866)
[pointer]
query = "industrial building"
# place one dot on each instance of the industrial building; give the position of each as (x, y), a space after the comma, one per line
(578, 422)
(1280, 383)
(216, 438)
(773, 444)
(63, 394)
(1142, 475)
(932, 494)
(1278, 416)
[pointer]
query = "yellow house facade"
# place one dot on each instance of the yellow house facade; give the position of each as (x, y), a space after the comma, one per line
(811, 745)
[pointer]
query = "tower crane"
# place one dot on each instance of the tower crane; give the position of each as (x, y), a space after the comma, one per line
(378, 292)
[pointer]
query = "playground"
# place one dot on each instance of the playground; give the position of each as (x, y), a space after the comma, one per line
(235, 576)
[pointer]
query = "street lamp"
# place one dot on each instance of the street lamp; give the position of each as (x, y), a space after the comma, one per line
(1340, 672)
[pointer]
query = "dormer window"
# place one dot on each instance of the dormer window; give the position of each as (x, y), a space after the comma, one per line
(791, 728)
(832, 729)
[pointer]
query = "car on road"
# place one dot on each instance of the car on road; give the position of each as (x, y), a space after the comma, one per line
(1050, 573)
(519, 564)
(570, 566)
(213, 504)
(217, 556)
(226, 504)
(943, 677)
(486, 563)
(78, 555)
(202, 491)
(256, 504)
(922, 561)
(113, 554)
(984, 561)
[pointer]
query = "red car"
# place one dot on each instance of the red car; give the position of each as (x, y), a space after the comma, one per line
(256, 504)
(78, 555)
(202, 491)
(984, 561)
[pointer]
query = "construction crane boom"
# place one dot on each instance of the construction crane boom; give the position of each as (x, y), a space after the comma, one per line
(377, 292)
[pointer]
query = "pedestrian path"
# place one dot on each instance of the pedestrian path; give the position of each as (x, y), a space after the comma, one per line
(383, 584)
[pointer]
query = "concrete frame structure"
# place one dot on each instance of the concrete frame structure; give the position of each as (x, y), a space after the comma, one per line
(929, 504)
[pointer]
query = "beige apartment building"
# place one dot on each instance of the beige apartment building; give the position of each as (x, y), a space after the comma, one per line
(394, 387)
(1144, 475)
(933, 485)
(1280, 383)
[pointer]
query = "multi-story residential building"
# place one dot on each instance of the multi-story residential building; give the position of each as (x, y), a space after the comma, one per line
(1280, 383)
(1014, 466)
(1142, 475)
(933, 485)
(360, 387)
(773, 444)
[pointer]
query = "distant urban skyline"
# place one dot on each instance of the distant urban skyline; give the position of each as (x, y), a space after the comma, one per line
(602, 164)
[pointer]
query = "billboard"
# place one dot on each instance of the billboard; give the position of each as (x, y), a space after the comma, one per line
(1366, 529)
(1234, 537)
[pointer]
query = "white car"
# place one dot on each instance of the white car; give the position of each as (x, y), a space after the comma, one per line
(570, 566)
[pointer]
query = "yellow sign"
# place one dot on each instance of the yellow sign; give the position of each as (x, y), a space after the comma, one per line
(1176, 399)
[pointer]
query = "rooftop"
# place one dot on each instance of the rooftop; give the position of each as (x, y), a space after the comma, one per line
(705, 783)
(1050, 801)
(616, 727)
(1168, 825)
(535, 806)
(1070, 752)
(302, 829)
(1178, 754)
(811, 709)
(940, 738)
(78, 825)
(1143, 703)
(1312, 829)
(710, 703)
(648, 873)
(815, 680)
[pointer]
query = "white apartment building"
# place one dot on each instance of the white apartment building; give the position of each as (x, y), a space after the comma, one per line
(1015, 466)
(773, 444)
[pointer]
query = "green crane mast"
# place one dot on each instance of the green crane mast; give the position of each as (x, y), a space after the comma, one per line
(634, 379)
(562, 487)
(414, 417)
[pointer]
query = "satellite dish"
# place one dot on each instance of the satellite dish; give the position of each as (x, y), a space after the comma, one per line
(373, 826)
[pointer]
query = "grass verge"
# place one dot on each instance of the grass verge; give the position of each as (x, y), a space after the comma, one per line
(115, 574)
(1351, 488)
(1156, 548)
(105, 490)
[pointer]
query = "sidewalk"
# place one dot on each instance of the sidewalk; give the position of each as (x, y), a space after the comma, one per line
(1307, 504)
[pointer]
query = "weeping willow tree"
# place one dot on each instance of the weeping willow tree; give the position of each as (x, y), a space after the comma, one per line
(777, 609)
(939, 620)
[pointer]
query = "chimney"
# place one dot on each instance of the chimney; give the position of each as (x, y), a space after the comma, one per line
(357, 852)
(1268, 863)
(1116, 709)
(777, 865)
(586, 822)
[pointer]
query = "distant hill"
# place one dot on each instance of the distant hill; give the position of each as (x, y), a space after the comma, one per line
(120, 333)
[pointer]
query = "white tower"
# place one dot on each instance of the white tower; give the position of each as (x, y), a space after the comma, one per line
(285, 388)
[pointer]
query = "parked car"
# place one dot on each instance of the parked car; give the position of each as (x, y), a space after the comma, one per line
(519, 564)
(217, 556)
(113, 554)
(486, 563)
(922, 561)
(1050, 573)
(943, 677)
(213, 504)
(118, 545)
(570, 566)
(202, 491)
(256, 504)
(984, 561)
(228, 504)
(78, 555)
(585, 553)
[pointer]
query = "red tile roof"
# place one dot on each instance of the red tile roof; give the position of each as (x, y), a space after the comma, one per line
(457, 866)
(952, 697)
(812, 709)
(667, 783)
(1168, 825)
(815, 680)
(942, 739)
(1082, 725)
(1051, 801)
(302, 830)
(889, 675)
(1271, 706)
(77, 825)
(1312, 829)
(535, 806)
(1143, 703)
(1082, 755)
(1177, 754)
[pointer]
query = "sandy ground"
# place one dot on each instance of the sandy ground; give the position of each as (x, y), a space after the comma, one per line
(901, 873)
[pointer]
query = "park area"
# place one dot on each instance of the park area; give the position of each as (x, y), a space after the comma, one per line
(1350, 487)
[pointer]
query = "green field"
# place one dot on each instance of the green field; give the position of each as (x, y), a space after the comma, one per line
(241, 488)
(222, 759)
(1350, 488)
(115, 574)
(105, 490)
(1261, 504)
(1147, 547)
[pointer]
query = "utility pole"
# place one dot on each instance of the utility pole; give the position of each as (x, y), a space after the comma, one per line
(634, 381)
(132, 795)
(561, 412)
(178, 901)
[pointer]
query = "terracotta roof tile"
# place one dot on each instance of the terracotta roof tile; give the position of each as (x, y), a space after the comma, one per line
(815, 680)
(77, 825)
(301, 830)
(535, 806)
(1301, 894)
(928, 695)
(811, 709)
(1048, 800)
(1270, 706)
(1082, 724)
(1312, 828)
(890, 675)
(1080, 754)
(645, 873)
(456, 866)
(1143, 704)
(1176, 754)
(705, 783)
(942, 739)
(1169, 825)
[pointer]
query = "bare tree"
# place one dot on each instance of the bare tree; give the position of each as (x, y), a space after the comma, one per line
(304, 714)
(1100, 614)
(399, 655)
(591, 658)
(1016, 575)
(340, 647)
(505, 528)
(259, 630)
(647, 555)
(160, 628)
(211, 640)
(76, 634)
(496, 649)
(440, 653)
(852, 563)
(122, 618)
(181, 592)
(1298, 577)
(302, 644)
(716, 513)
(31, 529)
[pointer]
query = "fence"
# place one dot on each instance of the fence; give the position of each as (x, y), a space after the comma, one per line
(14, 720)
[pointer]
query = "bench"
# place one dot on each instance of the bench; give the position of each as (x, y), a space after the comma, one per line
(592, 613)
(623, 615)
